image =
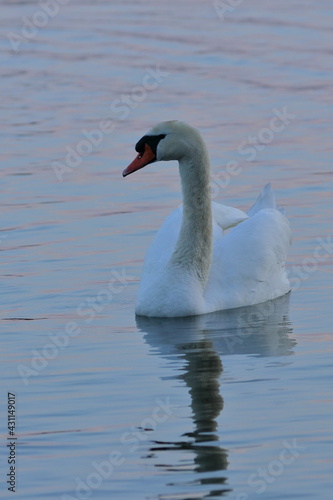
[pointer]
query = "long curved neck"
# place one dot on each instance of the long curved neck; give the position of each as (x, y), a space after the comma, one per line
(193, 250)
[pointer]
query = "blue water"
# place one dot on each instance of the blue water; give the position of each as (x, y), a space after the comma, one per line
(236, 404)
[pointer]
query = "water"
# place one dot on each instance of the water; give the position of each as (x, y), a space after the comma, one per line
(236, 404)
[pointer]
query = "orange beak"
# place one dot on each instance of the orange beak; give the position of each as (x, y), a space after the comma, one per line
(140, 161)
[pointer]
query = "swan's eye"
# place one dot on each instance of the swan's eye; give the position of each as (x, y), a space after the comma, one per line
(140, 155)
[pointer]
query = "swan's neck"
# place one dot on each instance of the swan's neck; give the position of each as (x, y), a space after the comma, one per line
(193, 250)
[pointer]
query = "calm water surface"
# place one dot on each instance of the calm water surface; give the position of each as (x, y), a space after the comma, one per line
(236, 404)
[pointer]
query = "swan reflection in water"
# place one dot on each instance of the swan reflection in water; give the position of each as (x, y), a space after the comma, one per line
(200, 342)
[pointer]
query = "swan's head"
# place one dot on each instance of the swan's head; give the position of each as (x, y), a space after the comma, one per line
(171, 140)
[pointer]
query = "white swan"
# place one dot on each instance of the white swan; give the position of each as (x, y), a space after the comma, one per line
(193, 268)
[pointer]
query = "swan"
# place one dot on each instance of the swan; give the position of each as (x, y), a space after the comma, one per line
(192, 266)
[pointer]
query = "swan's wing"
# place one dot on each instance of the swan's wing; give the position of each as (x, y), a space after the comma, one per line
(266, 199)
(227, 217)
(248, 263)
(164, 242)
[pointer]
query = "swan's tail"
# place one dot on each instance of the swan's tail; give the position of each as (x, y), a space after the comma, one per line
(266, 199)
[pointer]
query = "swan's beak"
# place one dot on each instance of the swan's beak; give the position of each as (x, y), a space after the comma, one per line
(140, 161)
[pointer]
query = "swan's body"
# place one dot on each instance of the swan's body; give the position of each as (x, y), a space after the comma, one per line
(192, 267)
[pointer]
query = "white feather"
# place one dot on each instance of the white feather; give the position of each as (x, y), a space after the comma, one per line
(243, 267)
